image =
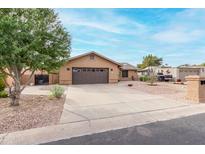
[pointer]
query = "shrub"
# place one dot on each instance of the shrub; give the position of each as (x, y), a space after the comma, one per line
(2, 84)
(141, 78)
(3, 94)
(57, 91)
(152, 80)
(144, 78)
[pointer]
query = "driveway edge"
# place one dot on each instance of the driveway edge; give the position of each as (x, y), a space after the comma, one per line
(69, 130)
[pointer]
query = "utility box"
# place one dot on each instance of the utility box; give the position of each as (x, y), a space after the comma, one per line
(195, 88)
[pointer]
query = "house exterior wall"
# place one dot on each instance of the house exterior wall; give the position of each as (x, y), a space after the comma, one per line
(9, 80)
(202, 72)
(54, 78)
(183, 72)
(132, 74)
(180, 73)
(65, 73)
(174, 73)
(177, 73)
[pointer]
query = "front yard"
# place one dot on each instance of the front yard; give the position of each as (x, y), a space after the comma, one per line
(92, 101)
(34, 111)
(165, 89)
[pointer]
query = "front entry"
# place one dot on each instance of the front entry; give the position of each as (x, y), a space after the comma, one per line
(89, 75)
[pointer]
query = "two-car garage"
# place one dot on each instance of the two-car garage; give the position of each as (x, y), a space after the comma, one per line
(89, 75)
(89, 68)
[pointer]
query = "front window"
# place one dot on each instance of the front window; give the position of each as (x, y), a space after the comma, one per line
(125, 73)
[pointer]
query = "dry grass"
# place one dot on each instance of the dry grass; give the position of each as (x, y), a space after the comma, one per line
(34, 111)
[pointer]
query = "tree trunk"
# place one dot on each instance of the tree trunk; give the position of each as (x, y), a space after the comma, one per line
(15, 94)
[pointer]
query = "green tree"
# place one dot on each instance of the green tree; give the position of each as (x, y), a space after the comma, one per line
(203, 64)
(150, 60)
(30, 40)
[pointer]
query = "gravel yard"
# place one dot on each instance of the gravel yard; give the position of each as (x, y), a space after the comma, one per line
(34, 111)
(166, 89)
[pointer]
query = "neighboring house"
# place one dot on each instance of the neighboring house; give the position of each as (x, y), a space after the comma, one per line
(166, 70)
(88, 68)
(177, 72)
(184, 71)
(128, 72)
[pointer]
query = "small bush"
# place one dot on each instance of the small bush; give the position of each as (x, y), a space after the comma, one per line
(57, 91)
(144, 78)
(152, 80)
(2, 84)
(3, 94)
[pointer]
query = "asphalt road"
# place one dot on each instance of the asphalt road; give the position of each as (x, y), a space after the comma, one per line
(188, 130)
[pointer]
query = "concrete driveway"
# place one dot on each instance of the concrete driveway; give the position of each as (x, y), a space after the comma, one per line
(91, 109)
(100, 101)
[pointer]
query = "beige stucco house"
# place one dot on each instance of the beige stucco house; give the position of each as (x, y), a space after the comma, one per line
(88, 68)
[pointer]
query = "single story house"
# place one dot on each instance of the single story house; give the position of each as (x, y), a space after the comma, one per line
(177, 72)
(166, 70)
(184, 71)
(88, 68)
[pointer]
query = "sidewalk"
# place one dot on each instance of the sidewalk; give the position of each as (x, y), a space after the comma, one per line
(86, 127)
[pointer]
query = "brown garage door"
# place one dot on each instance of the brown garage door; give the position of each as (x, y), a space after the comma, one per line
(89, 75)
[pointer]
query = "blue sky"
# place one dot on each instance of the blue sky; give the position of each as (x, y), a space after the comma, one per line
(126, 35)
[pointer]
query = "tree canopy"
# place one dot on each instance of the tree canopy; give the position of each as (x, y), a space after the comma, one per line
(203, 64)
(150, 60)
(31, 39)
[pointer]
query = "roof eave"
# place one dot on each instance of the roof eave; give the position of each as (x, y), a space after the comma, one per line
(93, 52)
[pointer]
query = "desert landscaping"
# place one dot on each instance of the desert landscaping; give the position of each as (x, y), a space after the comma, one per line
(40, 110)
(34, 111)
(165, 89)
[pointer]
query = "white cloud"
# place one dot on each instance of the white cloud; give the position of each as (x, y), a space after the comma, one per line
(93, 42)
(174, 55)
(185, 27)
(108, 21)
(175, 36)
(178, 36)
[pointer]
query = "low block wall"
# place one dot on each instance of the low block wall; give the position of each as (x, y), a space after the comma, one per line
(195, 89)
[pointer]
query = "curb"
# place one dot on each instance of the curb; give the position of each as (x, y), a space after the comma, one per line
(69, 130)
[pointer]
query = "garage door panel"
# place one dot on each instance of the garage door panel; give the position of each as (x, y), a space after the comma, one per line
(89, 75)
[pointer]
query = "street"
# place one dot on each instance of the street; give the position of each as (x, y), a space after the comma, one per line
(188, 130)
